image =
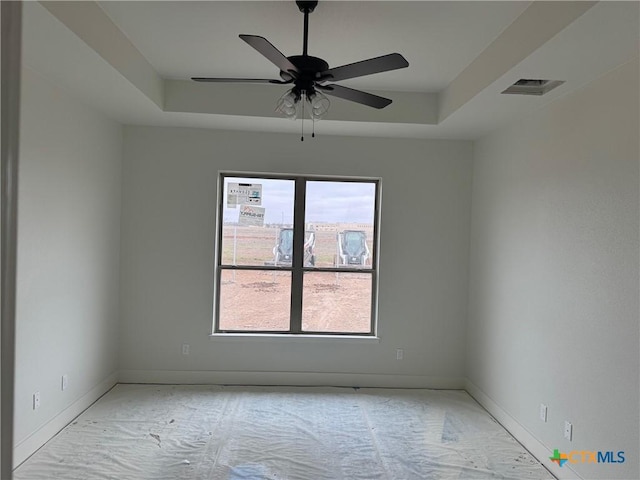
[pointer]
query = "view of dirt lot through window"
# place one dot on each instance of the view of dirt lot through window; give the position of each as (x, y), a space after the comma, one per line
(258, 279)
(257, 300)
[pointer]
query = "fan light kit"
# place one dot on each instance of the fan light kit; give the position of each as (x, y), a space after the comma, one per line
(309, 76)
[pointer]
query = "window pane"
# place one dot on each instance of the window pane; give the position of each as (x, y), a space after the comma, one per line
(257, 217)
(255, 300)
(342, 215)
(336, 302)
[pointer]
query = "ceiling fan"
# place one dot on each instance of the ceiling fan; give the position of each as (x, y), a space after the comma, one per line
(310, 75)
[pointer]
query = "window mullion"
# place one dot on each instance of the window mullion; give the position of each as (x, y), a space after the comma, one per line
(298, 256)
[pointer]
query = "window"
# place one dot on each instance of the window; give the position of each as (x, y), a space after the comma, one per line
(296, 255)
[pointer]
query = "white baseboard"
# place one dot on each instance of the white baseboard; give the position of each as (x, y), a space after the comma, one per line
(289, 378)
(515, 428)
(33, 442)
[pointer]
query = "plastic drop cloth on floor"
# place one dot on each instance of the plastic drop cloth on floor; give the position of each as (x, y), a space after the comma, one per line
(282, 433)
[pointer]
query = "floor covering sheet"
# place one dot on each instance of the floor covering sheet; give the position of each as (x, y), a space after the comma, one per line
(160, 432)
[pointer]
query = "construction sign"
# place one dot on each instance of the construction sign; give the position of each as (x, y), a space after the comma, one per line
(244, 194)
(251, 216)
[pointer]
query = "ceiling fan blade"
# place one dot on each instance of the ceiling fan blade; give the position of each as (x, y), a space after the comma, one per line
(393, 61)
(274, 55)
(239, 80)
(355, 95)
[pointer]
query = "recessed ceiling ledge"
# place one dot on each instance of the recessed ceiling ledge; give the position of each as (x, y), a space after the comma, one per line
(94, 27)
(540, 22)
(259, 100)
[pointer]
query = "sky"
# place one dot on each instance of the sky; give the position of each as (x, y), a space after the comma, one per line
(327, 201)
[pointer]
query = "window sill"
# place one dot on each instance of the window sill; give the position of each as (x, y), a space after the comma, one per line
(283, 337)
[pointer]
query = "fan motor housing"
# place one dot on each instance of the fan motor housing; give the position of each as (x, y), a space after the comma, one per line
(309, 68)
(308, 64)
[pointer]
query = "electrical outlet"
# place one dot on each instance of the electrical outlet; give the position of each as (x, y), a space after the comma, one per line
(399, 354)
(185, 349)
(543, 412)
(36, 400)
(65, 382)
(568, 431)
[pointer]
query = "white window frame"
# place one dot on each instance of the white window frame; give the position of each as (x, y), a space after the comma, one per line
(297, 268)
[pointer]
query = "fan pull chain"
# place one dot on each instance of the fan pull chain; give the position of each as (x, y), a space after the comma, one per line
(302, 137)
(313, 127)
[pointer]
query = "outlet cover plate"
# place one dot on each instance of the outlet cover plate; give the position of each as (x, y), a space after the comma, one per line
(543, 412)
(568, 431)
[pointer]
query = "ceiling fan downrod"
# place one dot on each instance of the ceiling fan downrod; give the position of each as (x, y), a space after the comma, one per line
(306, 7)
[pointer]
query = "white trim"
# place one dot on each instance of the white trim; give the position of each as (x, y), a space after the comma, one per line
(297, 268)
(289, 338)
(37, 439)
(526, 438)
(173, 377)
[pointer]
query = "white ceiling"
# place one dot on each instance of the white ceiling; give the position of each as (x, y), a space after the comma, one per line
(132, 60)
(439, 39)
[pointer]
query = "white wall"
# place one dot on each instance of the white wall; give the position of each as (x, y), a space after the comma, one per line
(554, 271)
(169, 209)
(68, 259)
